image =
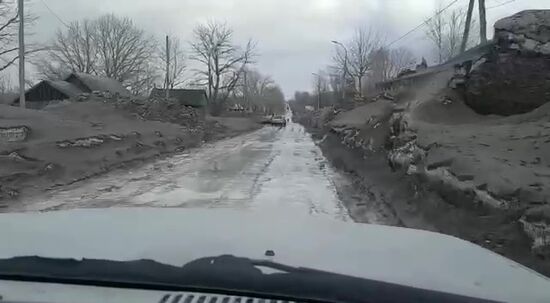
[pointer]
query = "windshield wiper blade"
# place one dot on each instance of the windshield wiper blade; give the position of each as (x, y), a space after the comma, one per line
(225, 275)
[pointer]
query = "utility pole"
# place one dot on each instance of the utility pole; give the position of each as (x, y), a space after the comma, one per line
(21, 54)
(482, 22)
(467, 26)
(167, 67)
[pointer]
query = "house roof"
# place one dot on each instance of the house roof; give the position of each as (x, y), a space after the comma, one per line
(89, 83)
(68, 89)
(191, 97)
(98, 83)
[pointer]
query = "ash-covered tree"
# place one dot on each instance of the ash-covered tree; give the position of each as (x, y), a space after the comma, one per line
(109, 46)
(445, 31)
(356, 60)
(123, 48)
(72, 50)
(9, 25)
(257, 92)
(221, 61)
(387, 63)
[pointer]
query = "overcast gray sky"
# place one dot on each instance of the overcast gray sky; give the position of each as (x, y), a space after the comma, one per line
(293, 35)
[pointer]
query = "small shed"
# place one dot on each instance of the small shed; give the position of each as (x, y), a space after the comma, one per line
(46, 91)
(75, 84)
(190, 97)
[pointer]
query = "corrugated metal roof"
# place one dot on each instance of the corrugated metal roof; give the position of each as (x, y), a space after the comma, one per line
(70, 88)
(67, 89)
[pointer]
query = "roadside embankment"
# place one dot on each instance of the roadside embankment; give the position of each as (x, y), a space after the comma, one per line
(71, 141)
(461, 165)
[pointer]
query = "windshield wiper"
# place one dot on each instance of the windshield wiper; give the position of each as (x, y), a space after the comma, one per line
(224, 275)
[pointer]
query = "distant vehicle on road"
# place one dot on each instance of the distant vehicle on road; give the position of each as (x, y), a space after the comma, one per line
(275, 120)
(278, 121)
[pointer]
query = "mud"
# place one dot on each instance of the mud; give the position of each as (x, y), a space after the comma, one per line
(411, 202)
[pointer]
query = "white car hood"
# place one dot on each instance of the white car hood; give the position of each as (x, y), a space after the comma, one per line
(177, 236)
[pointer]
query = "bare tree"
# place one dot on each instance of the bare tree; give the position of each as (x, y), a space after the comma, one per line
(9, 24)
(48, 69)
(145, 79)
(261, 92)
(436, 32)
(364, 42)
(177, 65)
(222, 62)
(8, 34)
(456, 23)
(340, 66)
(400, 59)
(257, 92)
(123, 48)
(321, 86)
(446, 30)
(387, 63)
(109, 46)
(253, 84)
(73, 50)
(274, 99)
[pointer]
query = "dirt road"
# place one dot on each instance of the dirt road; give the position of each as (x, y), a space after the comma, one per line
(272, 169)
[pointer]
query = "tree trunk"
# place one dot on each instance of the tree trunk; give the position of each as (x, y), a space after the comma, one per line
(209, 81)
(21, 54)
(167, 87)
(360, 85)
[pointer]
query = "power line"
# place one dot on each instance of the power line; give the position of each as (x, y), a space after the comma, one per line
(424, 23)
(53, 13)
(501, 4)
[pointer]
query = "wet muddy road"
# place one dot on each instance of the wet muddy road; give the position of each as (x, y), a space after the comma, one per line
(272, 169)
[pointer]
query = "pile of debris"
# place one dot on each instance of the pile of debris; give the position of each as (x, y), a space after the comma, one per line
(164, 110)
(152, 108)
